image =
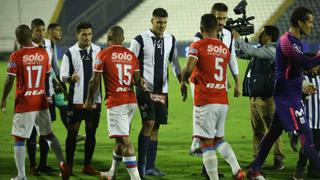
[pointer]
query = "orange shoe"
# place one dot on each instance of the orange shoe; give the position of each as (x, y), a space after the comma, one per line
(65, 171)
(241, 175)
(88, 169)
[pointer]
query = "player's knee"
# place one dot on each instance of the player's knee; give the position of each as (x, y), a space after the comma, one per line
(48, 136)
(127, 149)
(148, 126)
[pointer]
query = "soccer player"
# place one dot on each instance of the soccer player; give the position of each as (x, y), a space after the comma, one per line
(207, 64)
(155, 49)
(312, 77)
(220, 10)
(76, 69)
(120, 70)
(289, 114)
(55, 35)
(31, 66)
(38, 31)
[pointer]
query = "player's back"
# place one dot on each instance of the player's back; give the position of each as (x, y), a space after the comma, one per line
(209, 74)
(30, 66)
(119, 65)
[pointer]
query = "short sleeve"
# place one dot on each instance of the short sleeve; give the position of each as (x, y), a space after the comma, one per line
(98, 64)
(194, 50)
(12, 65)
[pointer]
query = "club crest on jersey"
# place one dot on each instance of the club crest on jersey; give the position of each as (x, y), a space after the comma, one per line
(122, 56)
(32, 58)
(217, 49)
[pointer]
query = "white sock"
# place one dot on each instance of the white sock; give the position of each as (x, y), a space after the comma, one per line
(210, 162)
(131, 164)
(19, 157)
(226, 151)
(116, 161)
(195, 144)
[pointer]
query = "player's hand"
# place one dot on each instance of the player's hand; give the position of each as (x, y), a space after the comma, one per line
(308, 88)
(293, 137)
(184, 91)
(87, 105)
(237, 91)
(75, 77)
(3, 106)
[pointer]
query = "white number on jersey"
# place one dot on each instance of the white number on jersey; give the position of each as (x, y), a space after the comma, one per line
(123, 71)
(218, 76)
(34, 68)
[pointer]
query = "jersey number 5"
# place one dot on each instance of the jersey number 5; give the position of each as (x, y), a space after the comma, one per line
(38, 76)
(123, 71)
(218, 76)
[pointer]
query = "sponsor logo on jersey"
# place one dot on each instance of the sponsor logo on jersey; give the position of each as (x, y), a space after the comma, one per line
(12, 64)
(297, 48)
(98, 62)
(34, 58)
(34, 92)
(217, 49)
(215, 86)
(122, 56)
(300, 116)
(193, 50)
(123, 89)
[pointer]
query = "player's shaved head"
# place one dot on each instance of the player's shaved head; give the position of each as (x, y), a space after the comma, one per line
(23, 34)
(208, 23)
(115, 35)
(36, 23)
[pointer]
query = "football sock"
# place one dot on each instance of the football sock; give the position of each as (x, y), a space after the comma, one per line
(90, 144)
(131, 165)
(210, 161)
(116, 160)
(151, 154)
(32, 148)
(308, 147)
(143, 145)
(226, 151)
(44, 149)
(56, 148)
(70, 146)
(19, 157)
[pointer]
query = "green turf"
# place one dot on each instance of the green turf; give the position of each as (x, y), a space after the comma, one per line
(174, 140)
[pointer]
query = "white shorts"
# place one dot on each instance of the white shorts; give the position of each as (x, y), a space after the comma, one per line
(119, 120)
(23, 123)
(209, 120)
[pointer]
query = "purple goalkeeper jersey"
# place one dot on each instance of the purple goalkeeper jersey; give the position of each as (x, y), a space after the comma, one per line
(290, 63)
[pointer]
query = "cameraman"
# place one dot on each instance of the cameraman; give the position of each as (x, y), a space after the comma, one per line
(258, 85)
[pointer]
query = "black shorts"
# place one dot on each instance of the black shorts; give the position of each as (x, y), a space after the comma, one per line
(77, 115)
(150, 109)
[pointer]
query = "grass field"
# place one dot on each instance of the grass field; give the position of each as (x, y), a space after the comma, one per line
(174, 141)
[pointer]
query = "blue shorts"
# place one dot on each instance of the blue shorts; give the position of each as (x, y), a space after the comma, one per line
(290, 114)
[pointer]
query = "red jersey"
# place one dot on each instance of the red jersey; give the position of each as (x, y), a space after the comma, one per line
(209, 73)
(117, 64)
(29, 65)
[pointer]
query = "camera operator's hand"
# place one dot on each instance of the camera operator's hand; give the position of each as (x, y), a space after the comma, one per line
(236, 35)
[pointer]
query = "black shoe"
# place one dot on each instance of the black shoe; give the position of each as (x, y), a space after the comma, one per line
(47, 169)
(205, 174)
(278, 165)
